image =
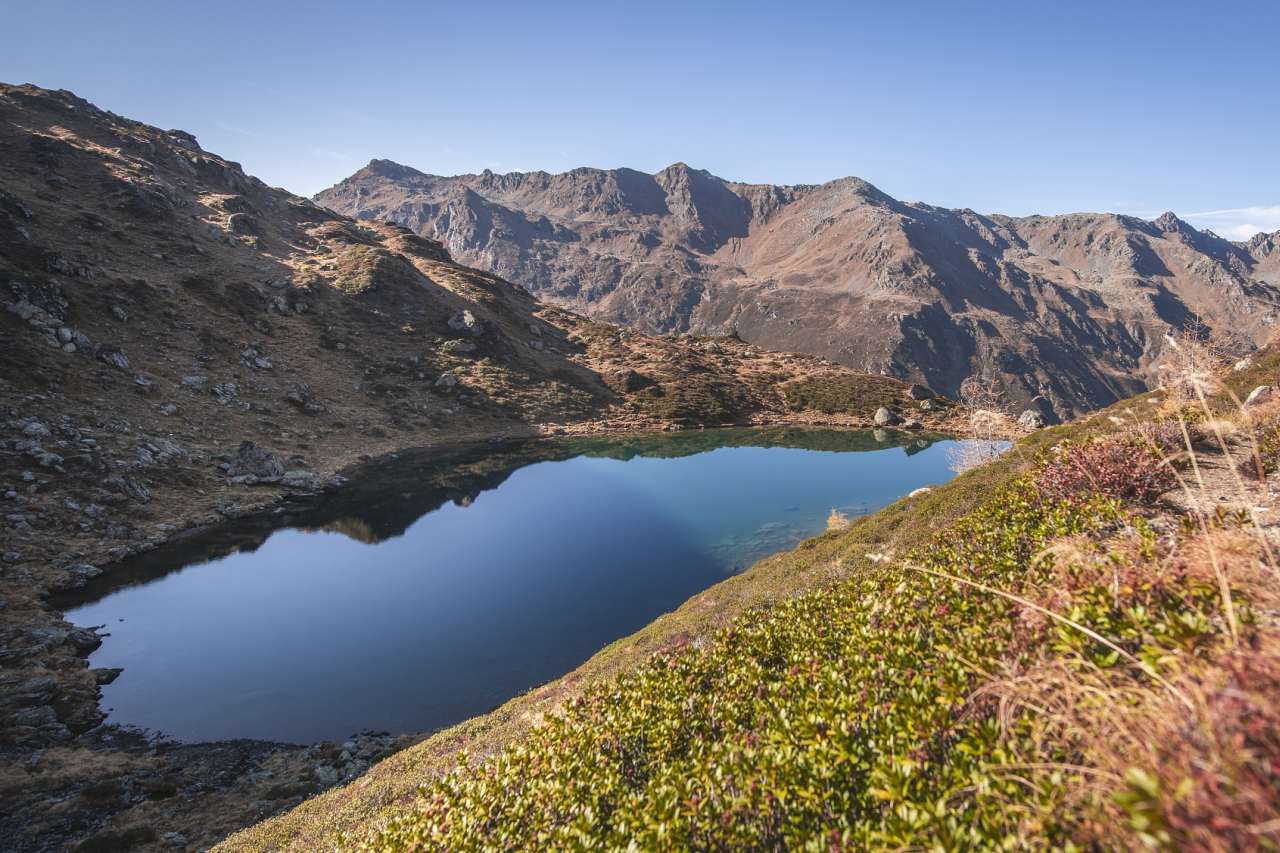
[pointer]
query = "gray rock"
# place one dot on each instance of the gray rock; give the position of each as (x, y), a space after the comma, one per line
(242, 224)
(195, 382)
(34, 428)
(301, 479)
(1261, 394)
(446, 380)
(48, 637)
(911, 423)
(113, 356)
(45, 458)
(1031, 419)
(459, 347)
(919, 392)
(1243, 364)
(168, 409)
(127, 486)
(106, 675)
(252, 357)
(160, 450)
(84, 639)
(36, 718)
(34, 691)
(326, 775)
(252, 461)
(301, 396)
(465, 321)
(884, 417)
(65, 335)
(929, 405)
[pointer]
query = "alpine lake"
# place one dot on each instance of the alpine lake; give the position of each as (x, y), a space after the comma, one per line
(432, 588)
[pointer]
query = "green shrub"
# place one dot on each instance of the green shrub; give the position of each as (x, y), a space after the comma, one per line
(838, 718)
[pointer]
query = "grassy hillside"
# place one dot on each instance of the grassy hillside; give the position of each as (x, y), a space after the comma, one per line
(1071, 646)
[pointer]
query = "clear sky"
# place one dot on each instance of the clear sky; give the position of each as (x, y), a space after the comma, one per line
(1011, 107)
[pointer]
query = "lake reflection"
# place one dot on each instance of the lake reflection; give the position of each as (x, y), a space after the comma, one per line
(430, 591)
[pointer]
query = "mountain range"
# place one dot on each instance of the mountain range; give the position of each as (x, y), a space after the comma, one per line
(1067, 313)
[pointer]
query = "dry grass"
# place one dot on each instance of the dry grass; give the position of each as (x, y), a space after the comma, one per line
(1190, 759)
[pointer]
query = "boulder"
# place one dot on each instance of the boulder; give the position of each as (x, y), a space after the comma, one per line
(252, 461)
(301, 479)
(242, 224)
(884, 417)
(1243, 364)
(920, 392)
(446, 380)
(1031, 419)
(465, 321)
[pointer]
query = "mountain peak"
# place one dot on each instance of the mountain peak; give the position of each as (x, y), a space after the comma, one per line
(389, 169)
(1170, 223)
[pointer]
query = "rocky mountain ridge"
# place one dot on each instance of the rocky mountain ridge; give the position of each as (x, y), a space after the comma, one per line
(1065, 312)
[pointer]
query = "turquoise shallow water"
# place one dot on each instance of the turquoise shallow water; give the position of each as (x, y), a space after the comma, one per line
(436, 594)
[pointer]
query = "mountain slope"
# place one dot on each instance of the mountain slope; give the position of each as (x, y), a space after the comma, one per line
(181, 344)
(1071, 309)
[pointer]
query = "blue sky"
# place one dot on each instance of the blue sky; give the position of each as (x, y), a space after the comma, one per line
(1016, 107)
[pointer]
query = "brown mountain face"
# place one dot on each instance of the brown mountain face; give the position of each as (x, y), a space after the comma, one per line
(1069, 311)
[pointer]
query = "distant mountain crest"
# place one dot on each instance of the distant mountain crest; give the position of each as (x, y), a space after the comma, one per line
(1064, 312)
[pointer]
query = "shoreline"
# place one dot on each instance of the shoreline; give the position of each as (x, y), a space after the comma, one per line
(275, 776)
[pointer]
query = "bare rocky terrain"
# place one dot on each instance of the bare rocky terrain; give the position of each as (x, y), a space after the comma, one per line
(1067, 312)
(183, 347)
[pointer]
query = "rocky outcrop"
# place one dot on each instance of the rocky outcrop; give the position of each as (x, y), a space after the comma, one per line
(1070, 309)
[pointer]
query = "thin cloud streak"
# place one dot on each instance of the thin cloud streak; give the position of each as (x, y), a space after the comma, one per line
(1238, 223)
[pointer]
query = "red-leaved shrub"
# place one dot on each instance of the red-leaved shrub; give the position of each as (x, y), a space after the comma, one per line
(1114, 468)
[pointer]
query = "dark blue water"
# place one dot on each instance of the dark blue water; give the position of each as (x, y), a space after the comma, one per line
(375, 620)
